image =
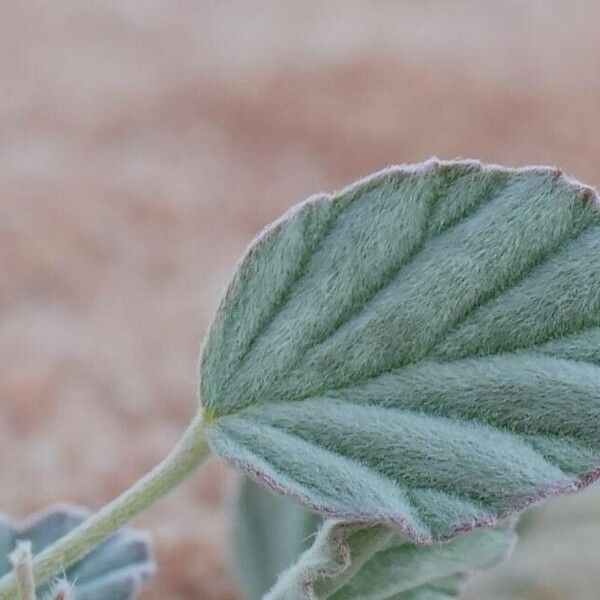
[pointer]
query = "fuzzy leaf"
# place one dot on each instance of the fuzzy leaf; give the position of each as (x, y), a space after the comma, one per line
(114, 570)
(348, 561)
(358, 562)
(420, 349)
(269, 534)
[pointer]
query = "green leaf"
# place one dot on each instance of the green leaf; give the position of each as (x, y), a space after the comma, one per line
(358, 562)
(269, 534)
(115, 570)
(421, 349)
(556, 557)
(347, 561)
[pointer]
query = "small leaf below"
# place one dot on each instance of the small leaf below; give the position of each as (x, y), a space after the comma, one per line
(350, 561)
(115, 570)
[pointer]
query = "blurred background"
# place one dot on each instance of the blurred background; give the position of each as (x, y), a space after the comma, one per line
(143, 143)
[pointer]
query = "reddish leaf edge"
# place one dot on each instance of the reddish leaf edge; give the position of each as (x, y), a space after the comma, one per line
(397, 521)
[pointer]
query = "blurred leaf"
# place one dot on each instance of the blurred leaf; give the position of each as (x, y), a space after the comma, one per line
(556, 557)
(420, 349)
(269, 534)
(115, 570)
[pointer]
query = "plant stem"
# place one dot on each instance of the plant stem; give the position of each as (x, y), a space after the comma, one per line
(21, 560)
(191, 450)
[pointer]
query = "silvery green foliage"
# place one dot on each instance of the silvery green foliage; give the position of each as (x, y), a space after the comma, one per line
(269, 534)
(349, 561)
(373, 562)
(420, 349)
(115, 570)
(556, 557)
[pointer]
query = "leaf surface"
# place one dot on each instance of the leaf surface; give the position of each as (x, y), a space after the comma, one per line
(420, 349)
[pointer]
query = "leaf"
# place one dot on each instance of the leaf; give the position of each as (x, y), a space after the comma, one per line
(556, 557)
(421, 349)
(115, 570)
(348, 561)
(269, 534)
(358, 562)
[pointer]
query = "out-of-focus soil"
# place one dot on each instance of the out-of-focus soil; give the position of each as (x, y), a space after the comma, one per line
(143, 144)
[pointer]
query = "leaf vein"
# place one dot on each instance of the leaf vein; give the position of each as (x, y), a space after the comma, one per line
(477, 502)
(509, 284)
(395, 271)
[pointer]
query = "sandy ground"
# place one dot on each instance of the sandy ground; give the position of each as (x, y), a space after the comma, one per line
(142, 145)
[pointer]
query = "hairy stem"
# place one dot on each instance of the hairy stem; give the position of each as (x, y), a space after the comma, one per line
(21, 560)
(191, 450)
